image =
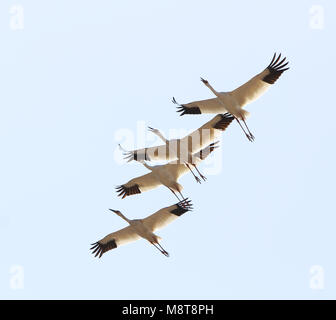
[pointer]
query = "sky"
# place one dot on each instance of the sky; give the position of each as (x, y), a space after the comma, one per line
(79, 77)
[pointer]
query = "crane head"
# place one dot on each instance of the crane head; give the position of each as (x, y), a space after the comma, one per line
(206, 82)
(155, 131)
(115, 211)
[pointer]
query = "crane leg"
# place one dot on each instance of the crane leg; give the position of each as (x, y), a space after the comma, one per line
(183, 198)
(164, 252)
(251, 135)
(201, 175)
(175, 194)
(196, 178)
(247, 135)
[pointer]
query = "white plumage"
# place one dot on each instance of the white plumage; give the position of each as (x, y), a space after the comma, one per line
(141, 228)
(234, 101)
(181, 153)
(166, 175)
(183, 149)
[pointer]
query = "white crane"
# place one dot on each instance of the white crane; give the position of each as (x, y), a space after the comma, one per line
(183, 149)
(141, 228)
(166, 175)
(234, 101)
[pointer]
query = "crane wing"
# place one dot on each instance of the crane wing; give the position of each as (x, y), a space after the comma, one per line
(157, 153)
(244, 94)
(202, 106)
(205, 135)
(179, 170)
(190, 144)
(259, 84)
(138, 185)
(167, 215)
(114, 240)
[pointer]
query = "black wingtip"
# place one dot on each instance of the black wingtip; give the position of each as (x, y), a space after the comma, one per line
(124, 191)
(182, 207)
(224, 122)
(98, 249)
(186, 204)
(275, 68)
(174, 101)
(182, 109)
(213, 146)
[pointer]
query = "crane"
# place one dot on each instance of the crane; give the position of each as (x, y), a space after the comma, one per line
(166, 175)
(234, 101)
(183, 149)
(141, 228)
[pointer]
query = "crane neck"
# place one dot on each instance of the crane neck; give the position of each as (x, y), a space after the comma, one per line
(147, 166)
(212, 89)
(160, 135)
(123, 217)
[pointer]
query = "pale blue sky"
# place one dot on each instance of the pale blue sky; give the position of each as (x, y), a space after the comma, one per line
(80, 72)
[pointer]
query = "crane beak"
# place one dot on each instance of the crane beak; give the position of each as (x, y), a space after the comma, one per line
(151, 129)
(204, 81)
(115, 211)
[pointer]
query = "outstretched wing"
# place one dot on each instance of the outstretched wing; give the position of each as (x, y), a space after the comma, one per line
(259, 84)
(167, 215)
(244, 94)
(138, 185)
(190, 144)
(179, 170)
(114, 240)
(204, 153)
(205, 135)
(202, 106)
(157, 153)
